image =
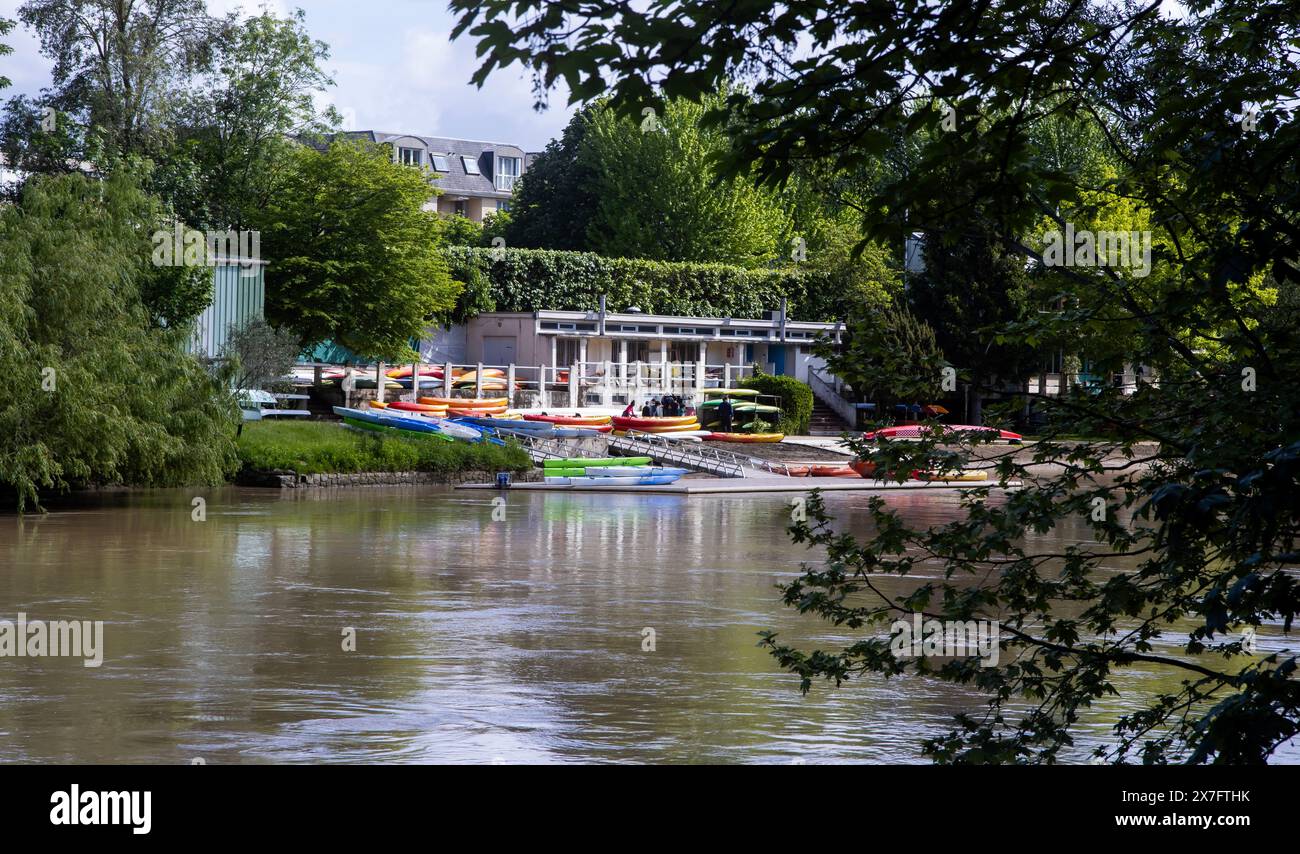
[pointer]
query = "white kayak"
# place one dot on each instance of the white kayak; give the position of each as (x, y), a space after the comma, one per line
(632, 471)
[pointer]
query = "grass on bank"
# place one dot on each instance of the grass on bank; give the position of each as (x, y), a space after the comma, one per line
(321, 447)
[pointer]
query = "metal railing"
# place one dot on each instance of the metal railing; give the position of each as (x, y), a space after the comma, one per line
(828, 391)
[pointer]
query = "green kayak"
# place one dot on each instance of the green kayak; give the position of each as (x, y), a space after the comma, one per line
(579, 462)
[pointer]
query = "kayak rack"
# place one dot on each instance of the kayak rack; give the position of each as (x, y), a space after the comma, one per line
(697, 455)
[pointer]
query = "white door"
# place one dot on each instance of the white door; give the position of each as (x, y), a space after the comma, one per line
(499, 350)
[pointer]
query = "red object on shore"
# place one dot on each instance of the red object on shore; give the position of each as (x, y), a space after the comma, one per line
(572, 420)
(914, 431)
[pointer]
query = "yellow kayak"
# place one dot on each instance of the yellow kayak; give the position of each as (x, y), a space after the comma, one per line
(750, 438)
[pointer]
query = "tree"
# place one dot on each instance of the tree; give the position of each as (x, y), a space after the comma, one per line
(354, 257)
(554, 201)
(658, 197)
(1203, 521)
(970, 290)
(888, 356)
(235, 122)
(102, 394)
(6, 26)
(119, 67)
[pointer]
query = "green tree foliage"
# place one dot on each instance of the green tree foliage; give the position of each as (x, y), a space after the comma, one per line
(354, 257)
(538, 279)
(1194, 540)
(796, 400)
(119, 67)
(100, 394)
(460, 230)
(888, 356)
(658, 197)
(6, 26)
(970, 290)
(554, 201)
(234, 123)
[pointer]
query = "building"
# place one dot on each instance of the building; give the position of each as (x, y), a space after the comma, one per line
(611, 358)
(238, 296)
(476, 178)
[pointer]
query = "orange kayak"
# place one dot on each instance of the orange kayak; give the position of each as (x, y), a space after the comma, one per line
(403, 373)
(832, 471)
(649, 424)
(467, 402)
(477, 411)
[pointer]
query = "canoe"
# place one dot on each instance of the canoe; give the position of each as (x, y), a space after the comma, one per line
(649, 424)
(358, 424)
(466, 402)
(749, 438)
(580, 462)
(572, 420)
(417, 407)
(631, 471)
(946, 431)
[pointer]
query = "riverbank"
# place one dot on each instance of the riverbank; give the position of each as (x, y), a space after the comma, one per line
(317, 453)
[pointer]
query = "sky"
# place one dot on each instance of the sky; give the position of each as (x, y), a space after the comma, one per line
(394, 66)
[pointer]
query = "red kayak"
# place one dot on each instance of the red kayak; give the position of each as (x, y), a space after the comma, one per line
(914, 431)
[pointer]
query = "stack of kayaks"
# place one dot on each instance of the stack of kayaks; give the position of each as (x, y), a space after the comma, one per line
(494, 379)
(370, 419)
(422, 408)
(675, 425)
(614, 471)
(867, 469)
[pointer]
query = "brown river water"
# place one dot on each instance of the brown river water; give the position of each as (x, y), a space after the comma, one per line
(476, 640)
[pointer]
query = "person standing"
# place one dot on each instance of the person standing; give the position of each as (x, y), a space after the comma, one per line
(725, 411)
(656, 408)
(646, 409)
(630, 411)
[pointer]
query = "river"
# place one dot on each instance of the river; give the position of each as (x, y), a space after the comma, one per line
(519, 638)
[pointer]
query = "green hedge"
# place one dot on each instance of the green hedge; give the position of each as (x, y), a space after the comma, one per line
(550, 280)
(796, 400)
(317, 447)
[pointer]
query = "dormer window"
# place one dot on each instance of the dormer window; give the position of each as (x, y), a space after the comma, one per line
(410, 156)
(471, 166)
(440, 163)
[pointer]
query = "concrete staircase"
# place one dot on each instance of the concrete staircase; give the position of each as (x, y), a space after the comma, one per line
(826, 421)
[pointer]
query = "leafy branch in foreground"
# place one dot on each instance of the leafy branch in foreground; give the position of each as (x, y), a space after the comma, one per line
(1199, 476)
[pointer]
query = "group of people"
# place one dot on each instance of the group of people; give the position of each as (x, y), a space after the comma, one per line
(670, 405)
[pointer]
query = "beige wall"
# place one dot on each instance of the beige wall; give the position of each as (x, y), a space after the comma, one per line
(475, 208)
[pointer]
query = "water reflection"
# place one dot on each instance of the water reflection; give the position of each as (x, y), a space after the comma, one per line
(478, 639)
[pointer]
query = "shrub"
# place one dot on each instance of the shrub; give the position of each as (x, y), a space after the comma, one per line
(796, 400)
(551, 280)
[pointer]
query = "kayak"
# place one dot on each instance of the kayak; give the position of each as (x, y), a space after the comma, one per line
(412, 423)
(631, 471)
(675, 435)
(580, 462)
(832, 471)
(417, 407)
(476, 410)
(573, 420)
(644, 480)
(914, 431)
(405, 372)
(376, 404)
(466, 402)
(649, 424)
(745, 437)
(730, 392)
(516, 424)
(580, 432)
